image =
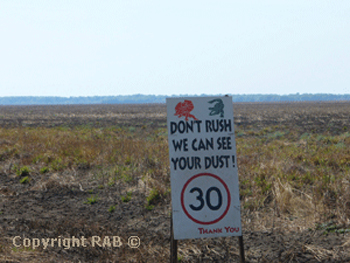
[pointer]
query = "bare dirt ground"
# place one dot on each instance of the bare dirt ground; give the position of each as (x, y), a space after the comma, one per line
(56, 206)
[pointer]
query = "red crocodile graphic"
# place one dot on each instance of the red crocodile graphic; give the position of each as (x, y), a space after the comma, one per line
(183, 109)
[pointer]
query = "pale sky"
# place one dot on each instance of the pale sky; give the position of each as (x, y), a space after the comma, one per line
(124, 47)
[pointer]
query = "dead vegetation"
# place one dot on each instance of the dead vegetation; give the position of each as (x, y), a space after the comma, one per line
(102, 170)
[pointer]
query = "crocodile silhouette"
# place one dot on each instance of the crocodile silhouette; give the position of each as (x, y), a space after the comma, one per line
(218, 108)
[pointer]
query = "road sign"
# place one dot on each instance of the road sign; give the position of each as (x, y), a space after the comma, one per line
(204, 177)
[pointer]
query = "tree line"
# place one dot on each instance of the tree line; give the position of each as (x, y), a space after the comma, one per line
(140, 99)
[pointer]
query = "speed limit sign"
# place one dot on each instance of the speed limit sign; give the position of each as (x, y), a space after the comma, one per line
(206, 207)
(204, 177)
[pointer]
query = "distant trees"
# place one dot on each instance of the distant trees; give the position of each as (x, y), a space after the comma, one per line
(140, 98)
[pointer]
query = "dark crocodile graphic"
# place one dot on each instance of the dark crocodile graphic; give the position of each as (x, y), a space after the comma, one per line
(218, 108)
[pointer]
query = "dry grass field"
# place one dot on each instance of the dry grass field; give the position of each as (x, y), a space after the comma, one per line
(88, 171)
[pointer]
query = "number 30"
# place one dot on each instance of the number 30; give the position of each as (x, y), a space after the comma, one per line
(207, 198)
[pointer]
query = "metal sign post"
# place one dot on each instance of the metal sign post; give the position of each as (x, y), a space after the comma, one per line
(241, 249)
(173, 243)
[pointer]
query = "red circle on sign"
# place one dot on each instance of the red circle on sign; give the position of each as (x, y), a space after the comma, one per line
(228, 199)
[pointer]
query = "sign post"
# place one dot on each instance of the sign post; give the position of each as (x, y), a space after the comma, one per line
(204, 176)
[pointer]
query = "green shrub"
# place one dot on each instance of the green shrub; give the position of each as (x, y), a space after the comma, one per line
(24, 171)
(149, 207)
(44, 170)
(153, 196)
(24, 180)
(92, 200)
(126, 198)
(111, 209)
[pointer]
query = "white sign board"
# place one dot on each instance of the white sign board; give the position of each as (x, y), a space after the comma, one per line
(204, 177)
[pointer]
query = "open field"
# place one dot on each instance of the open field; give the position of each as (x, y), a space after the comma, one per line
(103, 170)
